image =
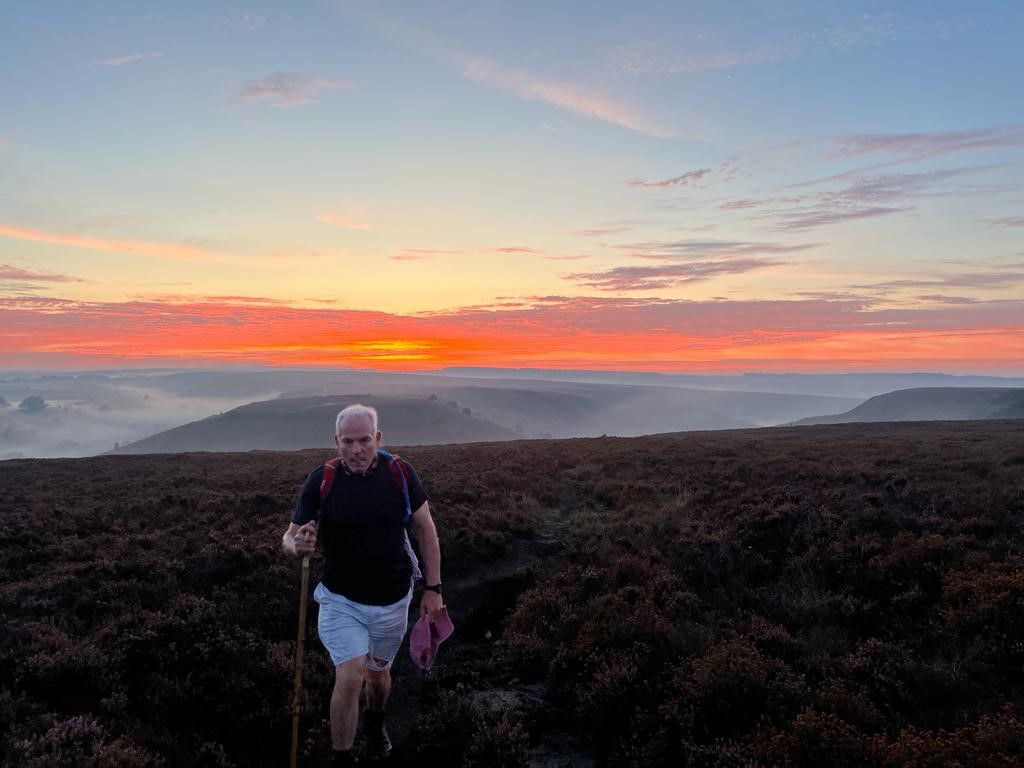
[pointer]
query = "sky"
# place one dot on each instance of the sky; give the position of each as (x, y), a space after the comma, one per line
(667, 186)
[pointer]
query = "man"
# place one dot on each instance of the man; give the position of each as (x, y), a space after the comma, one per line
(366, 588)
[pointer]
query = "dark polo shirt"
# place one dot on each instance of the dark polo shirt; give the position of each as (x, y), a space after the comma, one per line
(360, 529)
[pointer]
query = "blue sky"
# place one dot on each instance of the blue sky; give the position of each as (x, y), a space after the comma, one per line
(421, 160)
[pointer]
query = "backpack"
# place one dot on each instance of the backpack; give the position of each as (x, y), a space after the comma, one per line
(400, 475)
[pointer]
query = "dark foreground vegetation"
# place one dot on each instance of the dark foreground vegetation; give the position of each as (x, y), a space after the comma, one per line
(843, 595)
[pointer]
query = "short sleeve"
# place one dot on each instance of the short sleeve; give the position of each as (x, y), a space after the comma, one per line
(417, 496)
(308, 506)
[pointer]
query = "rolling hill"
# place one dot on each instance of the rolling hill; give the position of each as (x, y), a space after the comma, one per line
(933, 404)
(308, 422)
(532, 409)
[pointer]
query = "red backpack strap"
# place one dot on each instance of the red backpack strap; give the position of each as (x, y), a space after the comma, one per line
(330, 470)
(399, 471)
(400, 475)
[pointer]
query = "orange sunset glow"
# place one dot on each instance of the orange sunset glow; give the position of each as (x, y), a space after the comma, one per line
(661, 188)
(550, 333)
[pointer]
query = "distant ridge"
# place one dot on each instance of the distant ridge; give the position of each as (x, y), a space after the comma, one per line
(308, 422)
(933, 404)
(861, 385)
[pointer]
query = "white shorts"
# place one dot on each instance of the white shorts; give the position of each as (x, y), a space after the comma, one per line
(349, 630)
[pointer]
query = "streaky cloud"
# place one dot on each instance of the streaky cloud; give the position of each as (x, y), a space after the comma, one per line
(344, 220)
(524, 84)
(704, 249)
(657, 58)
(1006, 221)
(561, 94)
(638, 278)
(920, 146)
(9, 272)
(683, 180)
(289, 89)
(419, 254)
(131, 58)
(815, 219)
(170, 251)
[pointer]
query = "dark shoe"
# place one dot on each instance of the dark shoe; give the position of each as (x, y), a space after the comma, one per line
(344, 759)
(378, 745)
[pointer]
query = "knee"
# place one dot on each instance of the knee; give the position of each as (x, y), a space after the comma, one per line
(349, 676)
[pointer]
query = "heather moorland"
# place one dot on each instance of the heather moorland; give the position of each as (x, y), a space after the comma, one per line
(842, 595)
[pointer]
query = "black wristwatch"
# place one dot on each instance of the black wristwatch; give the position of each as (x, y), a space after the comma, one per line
(433, 587)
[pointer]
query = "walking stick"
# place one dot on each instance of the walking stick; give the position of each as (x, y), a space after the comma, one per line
(298, 661)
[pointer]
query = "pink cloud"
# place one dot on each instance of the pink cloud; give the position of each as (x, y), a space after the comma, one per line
(565, 95)
(821, 218)
(418, 254)
(690, 177)
(932, 144)
(737, 205)
(120, 61)
(345, 220)
(8, 272)
(514, 249)
(636, 278)
(656, 58)
(611, 228)
(704, 249)
(172, 251)
(289, 89)
(1008, 221)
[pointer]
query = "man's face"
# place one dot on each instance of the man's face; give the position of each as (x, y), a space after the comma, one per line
(357, 443)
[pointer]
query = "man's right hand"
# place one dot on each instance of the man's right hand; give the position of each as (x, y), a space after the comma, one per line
(305, 539)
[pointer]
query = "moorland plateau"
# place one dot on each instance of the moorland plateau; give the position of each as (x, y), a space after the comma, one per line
(843, 595)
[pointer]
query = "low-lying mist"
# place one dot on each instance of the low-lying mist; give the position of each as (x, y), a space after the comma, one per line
(95, 417)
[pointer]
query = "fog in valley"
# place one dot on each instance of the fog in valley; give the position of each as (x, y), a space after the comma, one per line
(86, 414)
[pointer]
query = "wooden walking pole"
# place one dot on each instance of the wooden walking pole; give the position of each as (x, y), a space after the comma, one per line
(298, 661)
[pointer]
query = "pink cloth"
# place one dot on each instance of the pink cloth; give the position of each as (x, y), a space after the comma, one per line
(426, 636)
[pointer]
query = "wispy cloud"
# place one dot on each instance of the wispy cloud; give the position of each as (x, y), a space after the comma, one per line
(662, 58)
(864, 197)
(570, 257)
(570, 96)
(1008, 221)
(516, 249)
(131, 58)
(9, 272)
(992, 280)
(419, 254)
(705, 249)
(739, 205)
(289, 89)
(919, 146)
(812, 219)
(636, 278)
(936, 298)
(690, 177)
(610, 228)
(172, 251)
(345, 219)
(251, 22)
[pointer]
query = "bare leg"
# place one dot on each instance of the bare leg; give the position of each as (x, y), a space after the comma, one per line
(378, 688)
(348, 682)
